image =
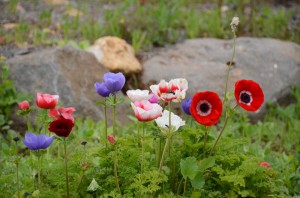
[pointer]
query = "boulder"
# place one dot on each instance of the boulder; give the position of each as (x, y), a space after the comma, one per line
(116, 55)
(274, 64)
(67, 72)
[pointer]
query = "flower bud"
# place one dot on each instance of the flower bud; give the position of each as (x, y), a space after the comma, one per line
(24, 105)
(16, 139)
(111, 139)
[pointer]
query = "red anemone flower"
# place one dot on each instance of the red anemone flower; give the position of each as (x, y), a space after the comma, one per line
(265, 164)
(24, 105)
(46, 101)
(206, 108)
(62, 112)
(61, 127)
(248, 95)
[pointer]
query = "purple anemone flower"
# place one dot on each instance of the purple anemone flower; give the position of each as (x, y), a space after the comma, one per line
(185, 105)
(112, 83)
(35, 142)
(101, 89)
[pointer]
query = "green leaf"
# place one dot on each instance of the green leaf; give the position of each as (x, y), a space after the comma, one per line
(189, 167)
(199, 181)
(195, 194)
(207, 163)
(100, 103)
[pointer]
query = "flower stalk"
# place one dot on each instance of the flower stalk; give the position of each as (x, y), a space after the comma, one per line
(219, 136)
(66, 167)
(116, 174)
(39, 168)
(164, 153)
(205, 139)
(230, 63)
(143, 147)
(16, 139)
(114, 114)
(105, 121)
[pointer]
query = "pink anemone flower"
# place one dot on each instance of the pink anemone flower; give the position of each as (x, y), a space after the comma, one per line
(174, 90)
(146, 111)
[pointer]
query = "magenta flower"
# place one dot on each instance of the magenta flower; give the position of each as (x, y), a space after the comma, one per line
(185, 105)
(153, 98)
(36, 142)
(111, 84)
(146, 111)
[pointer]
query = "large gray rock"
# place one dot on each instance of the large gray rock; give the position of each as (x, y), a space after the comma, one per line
(274, 64)
(67, 72)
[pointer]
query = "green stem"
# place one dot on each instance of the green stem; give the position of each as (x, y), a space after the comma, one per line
(18, 184)
(105, 122)
(170, 123)
(17, 164)
(39, 169)
(45, 122)
(229, 66)
(28, 123)
(138, 128)
(143, 147)
(220, 134)
(170, 126)
(85, 153)
(66, 167)
(204, 146)
(184, 186)
(81, 178)
(179, 185)
(164, 153)
(114, 114)
(116, 174)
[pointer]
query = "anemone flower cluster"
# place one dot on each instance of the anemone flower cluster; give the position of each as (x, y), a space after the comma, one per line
(111, 84)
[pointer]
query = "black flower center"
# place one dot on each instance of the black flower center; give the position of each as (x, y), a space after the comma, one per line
(204, 107)
(171, 92)
(245, 98)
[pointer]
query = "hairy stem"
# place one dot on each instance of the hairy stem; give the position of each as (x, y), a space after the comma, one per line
(17, 164)
(114, 114)
(204, 145)
(39, 169)
(170, 126)
(66, 168)
(220, 134)
(28, 123)
(116, 174)
(143, 147)
(229, 66)
(18, 184)
(164, 153)
(105, 122)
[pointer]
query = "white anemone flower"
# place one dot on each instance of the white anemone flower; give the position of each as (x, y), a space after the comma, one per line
(138, 95)
(163, 122)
